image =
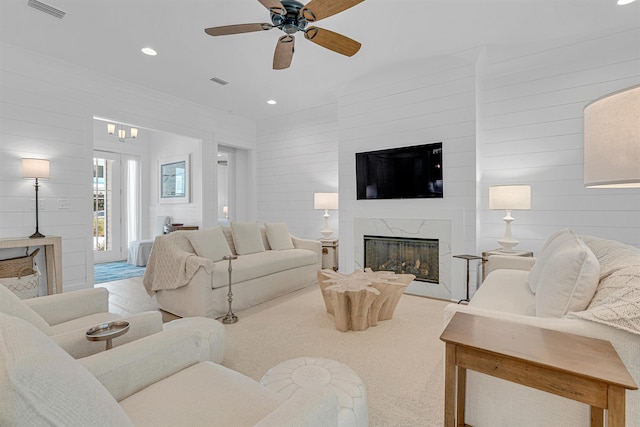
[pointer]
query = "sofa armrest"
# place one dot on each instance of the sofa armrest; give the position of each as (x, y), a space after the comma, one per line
(59, 308)
(508, 262)
(140, 325)
(312, 245)
(310, 407)
(127, 369)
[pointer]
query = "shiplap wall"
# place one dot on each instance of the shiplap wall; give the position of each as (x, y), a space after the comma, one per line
(46, 111)
(411, 104)
(531, 119)
(297, 156)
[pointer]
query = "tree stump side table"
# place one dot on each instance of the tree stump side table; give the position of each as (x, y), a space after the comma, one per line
(362, 298)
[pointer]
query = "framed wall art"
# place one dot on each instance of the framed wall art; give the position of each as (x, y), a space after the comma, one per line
(174, 179)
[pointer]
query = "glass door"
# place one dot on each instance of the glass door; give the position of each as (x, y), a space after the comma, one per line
(107, 208)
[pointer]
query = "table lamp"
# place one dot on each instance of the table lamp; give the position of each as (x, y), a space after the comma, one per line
(35, 168)
(325, 201)
(509, 197)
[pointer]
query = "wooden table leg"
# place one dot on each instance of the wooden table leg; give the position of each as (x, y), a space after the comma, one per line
(597, 417)
(461, 397)
(616, 407)
(450, 386)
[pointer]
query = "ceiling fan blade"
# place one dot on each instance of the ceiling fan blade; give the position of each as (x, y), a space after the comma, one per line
(284, 52)
(274, 6)
(237, 29)
(332, 41)
(316, 10)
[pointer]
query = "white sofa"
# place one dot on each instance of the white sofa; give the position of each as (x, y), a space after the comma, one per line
(583, 285)
(160, 380)
(187, 273)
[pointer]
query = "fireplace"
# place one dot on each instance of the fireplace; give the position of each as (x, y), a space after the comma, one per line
(403, 255)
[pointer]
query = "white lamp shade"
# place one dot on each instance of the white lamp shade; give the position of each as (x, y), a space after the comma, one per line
(111, 128)
(510, 197)
(325, 201)
(612, 140)
(134, 132)
(35, 168)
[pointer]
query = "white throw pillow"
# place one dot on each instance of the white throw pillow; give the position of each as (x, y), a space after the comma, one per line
(554, 240)
(210, 243)
(568, 279)
(247, 237)
(13, 306)
(278, 236)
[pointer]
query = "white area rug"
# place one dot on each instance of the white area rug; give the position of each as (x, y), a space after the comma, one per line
(401, 361)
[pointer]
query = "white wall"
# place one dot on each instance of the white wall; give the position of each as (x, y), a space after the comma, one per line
(297, 156)
(530, 121)
(47, 109)
(411, 104)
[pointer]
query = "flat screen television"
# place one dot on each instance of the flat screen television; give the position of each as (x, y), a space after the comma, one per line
(400, 173)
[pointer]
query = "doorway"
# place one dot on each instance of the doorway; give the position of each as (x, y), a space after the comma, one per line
(115, 204)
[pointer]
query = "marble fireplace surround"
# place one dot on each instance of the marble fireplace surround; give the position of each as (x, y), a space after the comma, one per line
(440, 229)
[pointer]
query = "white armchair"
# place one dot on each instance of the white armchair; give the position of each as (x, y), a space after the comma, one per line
(159, 380)
(66, 317)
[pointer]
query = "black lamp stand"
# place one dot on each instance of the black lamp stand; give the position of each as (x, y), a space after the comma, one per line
(37, 234)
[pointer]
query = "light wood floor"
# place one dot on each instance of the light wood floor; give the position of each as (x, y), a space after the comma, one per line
(128, 297)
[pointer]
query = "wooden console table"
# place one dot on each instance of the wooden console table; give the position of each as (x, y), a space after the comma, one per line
(52, 253)
(584, 369)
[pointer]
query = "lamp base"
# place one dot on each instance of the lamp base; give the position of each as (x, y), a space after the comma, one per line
(37, 235)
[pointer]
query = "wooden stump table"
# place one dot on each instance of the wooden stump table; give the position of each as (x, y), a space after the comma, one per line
(362, 298)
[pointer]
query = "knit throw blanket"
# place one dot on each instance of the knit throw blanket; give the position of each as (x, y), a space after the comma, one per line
(616, 302)
(172, 263)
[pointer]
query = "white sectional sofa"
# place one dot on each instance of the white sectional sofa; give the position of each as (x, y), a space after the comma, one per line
(578, 284)
(187, 273)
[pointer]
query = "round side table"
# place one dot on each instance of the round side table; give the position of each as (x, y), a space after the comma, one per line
(107, 332)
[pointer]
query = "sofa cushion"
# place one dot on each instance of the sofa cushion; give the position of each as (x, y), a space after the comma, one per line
(505, 290)
(278, 236)
(191, 391)
(13, 306)
(261, 264)
(247, 237)
(554, 240)
(210, 243)
(43, 385)
(568, 279)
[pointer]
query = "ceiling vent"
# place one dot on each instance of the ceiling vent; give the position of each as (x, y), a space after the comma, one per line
(42, 7)
(219, 81)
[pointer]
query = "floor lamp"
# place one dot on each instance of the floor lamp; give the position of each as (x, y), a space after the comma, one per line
(508, 198)
(612, 140)
(35, 168)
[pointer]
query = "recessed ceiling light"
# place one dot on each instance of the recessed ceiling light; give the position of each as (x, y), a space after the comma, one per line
(623, 2)
(149, 51)
(271, 102)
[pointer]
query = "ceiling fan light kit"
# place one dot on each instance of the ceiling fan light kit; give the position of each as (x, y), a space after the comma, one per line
(291, 16)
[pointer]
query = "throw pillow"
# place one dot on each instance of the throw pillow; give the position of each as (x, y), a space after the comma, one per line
(210, 243)
(13, 306)
(568, 279)
(278, 236)
(247, 237)
(554, 240)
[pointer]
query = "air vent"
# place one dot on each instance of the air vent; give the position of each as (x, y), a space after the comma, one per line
(219, 81)
(46, 8)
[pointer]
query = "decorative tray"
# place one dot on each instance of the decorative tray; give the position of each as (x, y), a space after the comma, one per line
(107, 330)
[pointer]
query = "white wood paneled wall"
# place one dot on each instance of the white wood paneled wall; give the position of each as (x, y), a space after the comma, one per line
(530, 120)
(46, 111)
(297, 156)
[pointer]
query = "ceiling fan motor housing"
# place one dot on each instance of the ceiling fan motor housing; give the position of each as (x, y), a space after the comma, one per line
(291, 22)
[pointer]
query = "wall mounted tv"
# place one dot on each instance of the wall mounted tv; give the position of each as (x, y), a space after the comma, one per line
(400, 173)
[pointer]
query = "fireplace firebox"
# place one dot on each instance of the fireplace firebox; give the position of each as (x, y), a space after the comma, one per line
(403, 255)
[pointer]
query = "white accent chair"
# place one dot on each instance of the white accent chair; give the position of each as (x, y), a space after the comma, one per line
(160, 380)
(139, 250)
(66, 317)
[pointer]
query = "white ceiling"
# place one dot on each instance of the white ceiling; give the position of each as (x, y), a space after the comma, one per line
(106, 36)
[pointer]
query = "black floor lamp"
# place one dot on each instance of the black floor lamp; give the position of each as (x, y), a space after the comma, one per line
(35, 168)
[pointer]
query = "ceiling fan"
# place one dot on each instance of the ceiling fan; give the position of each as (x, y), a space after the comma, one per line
(292, 16)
